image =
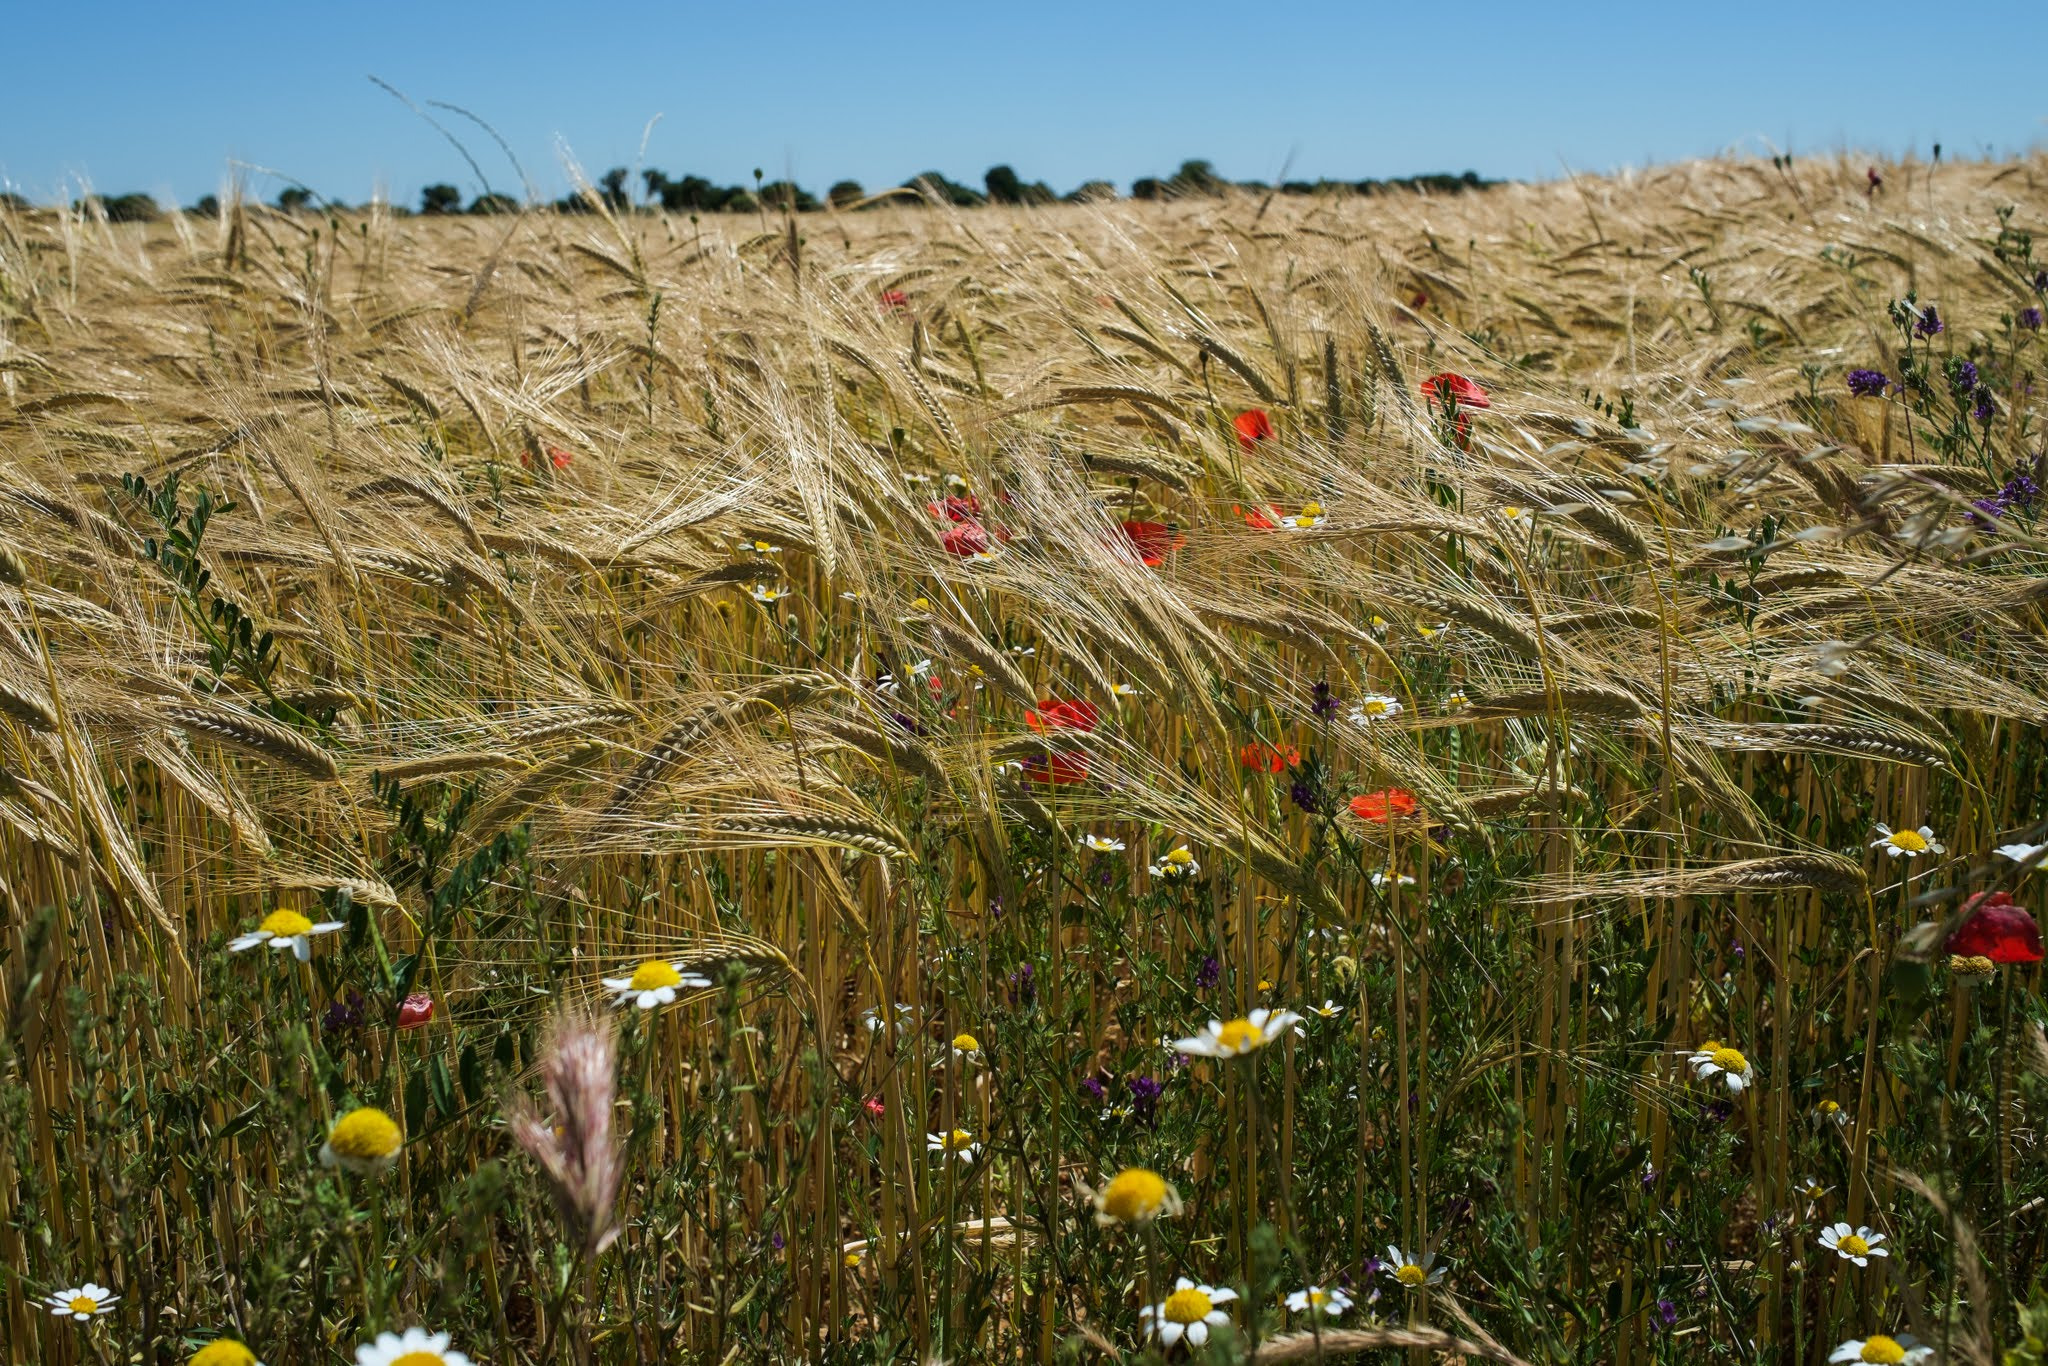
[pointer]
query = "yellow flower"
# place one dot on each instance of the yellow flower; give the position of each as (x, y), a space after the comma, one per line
(363, 1141)
(283, 929)
(223, 1352)
(1189, 1312)
(958, 1142)
(1135, 1195)
(654, 983)
(1907, 843)
(1235, 1038)
(1712, 1059)
(966, 1047)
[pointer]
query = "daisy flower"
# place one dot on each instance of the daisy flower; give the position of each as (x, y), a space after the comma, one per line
(1235, 1038)
(1910, 843)
(1177, 866)
(1712, 1060)
(1134, 1195)
(1879, 1350)
(224, 1352)
(874, 1019)
(1431, 632)
(1412, 1271)
(364, 1141)
(1455, 699)
(760, 547)
(1858, 1245)
(959, 1141)
(1520, 516)
(1328, 1010)
(417, 1348)
(1831, 1112)
(2019, 853)
(1122, 690)
(767, 596)
(1103, 844)
(1190, 1312)
(1323, 1301)
(285, 930)
(1310, 517)
(1384, 878)
(1377, 625)
(654, 983)
(86, 1302)
(967, 1048)
(1374, 707)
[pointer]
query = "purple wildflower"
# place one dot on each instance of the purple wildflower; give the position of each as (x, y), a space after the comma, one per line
(1145, 1100)
(1325, 704)
(1024, 987)
(2030, 318)
(344, 1017)
(1206, 975)
(1097, 1092)
(1664, 1317)
(1962, 377)
(2020, 491)
(776, 1239)
(1302, 793)
(1983, 409)
(1868, 383)
(1929, 323)
(2041, 282)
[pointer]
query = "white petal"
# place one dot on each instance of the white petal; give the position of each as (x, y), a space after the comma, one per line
(330, 926)
(1198, 1332)
(302, 948)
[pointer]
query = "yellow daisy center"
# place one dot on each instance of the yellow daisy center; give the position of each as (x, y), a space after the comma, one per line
(285, 925)
(1730, 1060)
(1828, 1107)
(1133, 1194)
(850, 1260)
(653, 974)
(421, 1359)
(1854, 1246)
(1311, 509)
(1318, 1298)
(967, 1043)
(1180, 856)
(1513, 513)
(363, 1134)
(1913, 842)
(1883, 1351)
(223, 1352)
(1374, 706)
(1240, 1036)
(957, 1140)
(1411, 1274)
(84, 1304)
(1186, 1306)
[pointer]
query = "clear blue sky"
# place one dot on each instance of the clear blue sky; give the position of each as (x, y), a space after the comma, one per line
(160, 97)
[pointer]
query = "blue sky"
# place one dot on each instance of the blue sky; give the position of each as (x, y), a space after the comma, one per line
(161, 98)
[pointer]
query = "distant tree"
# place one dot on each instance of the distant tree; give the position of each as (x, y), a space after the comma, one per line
(844, 193)
(656, 181)
(14, 203)
(294, 198)
(124, 208)
(737, 200)
(950, 191)
(782, 195)
(611, 186)
(1146, 187)
(493, 203)
(440, 199)
(1091, 192)
(1003, 186)
(1197, 177)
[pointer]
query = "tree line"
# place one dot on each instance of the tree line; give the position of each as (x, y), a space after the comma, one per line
(693, 194)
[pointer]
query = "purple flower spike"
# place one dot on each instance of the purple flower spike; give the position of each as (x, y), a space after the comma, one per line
(1929, 323)
(1868, 383)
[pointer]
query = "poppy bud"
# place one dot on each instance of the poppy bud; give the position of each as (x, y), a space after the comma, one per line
(416, 1010)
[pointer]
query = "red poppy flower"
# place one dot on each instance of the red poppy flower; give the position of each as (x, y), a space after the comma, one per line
(1056, 715)
(416, 1010)
(1997, 929)
(875, 1106)
(957, 509)
(1458, 391)
(1153, 541)
(1057, 770)
(1420, 299)
(1382, 806)
(1253, 426)
(1259, 519)
(894, 301)
(1260, 757)
(965, 539)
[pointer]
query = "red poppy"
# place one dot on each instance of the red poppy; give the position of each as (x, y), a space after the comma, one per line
(1056, 715)
(1458, 391)
(957, 509)
(1057, 770)
(1382, 806)
(1995, 928)
(1259, 519)
(874, 1105)
(1420, 299)
(1253, 426)
(894, 301)
(416, 1010)
(1260, 757)
(1153, 541)
(965, 539)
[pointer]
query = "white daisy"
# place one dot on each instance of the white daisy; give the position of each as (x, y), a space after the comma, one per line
(365, 1141)
(1325, 1301)
(1910, 843)
(1831, 1112)
(767, 596)
(86, 1302)
(1713, 1060)
(2019, 853)
(1432, 632)
(1176, 866)
(285, 930)
(417, 1347)
(1879, 1350)
(654, 983)
(1456, 699)
(967, 1048)
(1310, 517)
(1122, 690)
(1190, 1312)
(1135, 1195)
(1235, 1038)
(958, 1142)
(1519, 516)
(1382, 879)
(1856, 1245)
(1103, 844)
(874, 1019)
(1411, 1271)
(1374, 707)
(759, 548)
(1328, 1010)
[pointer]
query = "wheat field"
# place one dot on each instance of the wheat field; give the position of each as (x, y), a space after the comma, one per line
(1437, 758)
